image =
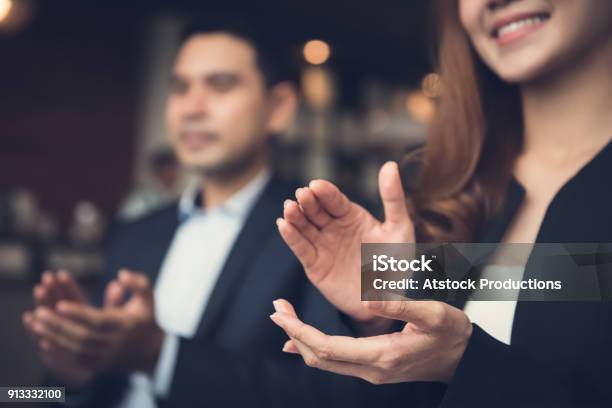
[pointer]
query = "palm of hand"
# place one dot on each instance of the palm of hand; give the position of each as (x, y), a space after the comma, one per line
(326, 231)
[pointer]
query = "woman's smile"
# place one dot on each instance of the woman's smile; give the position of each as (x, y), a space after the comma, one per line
(512, 28)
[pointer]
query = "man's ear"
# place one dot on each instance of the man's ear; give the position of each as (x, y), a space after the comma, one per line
(283, 102)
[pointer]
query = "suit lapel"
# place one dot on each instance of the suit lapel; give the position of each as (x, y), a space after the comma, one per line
(158, 243)
(258, 226)
(494, 229)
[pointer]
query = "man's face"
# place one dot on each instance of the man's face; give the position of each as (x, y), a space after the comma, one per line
(217, 112)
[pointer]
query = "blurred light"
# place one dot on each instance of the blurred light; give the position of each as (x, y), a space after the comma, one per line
(85, 212)
(420, 107)
(316, 52)
(319, 88)
(432, 85)
(15, 15)
(5, 9)
(377, 121)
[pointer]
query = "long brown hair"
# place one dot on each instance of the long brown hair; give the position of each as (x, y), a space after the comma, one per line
(472, 141)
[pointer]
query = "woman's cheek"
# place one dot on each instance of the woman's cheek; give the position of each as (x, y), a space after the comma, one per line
(469, 15)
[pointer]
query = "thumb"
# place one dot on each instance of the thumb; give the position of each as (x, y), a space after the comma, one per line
(70, 288)
(282, 305)
(426, 314)
(114, 294)
(137, 283)
(392, 194)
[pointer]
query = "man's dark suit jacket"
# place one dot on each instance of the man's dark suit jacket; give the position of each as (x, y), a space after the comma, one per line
(236, 355)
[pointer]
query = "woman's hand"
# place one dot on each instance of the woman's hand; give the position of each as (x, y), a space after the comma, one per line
(428, 348)
(324, 229)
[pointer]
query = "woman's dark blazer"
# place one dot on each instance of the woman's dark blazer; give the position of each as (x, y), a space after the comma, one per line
(561, 352)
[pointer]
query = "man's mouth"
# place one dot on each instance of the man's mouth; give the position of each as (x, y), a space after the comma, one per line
(511, 28)
(197, 139)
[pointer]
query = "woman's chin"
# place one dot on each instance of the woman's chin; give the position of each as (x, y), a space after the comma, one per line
(517, 73)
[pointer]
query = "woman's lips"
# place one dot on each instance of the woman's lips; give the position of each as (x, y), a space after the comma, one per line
(516, 27)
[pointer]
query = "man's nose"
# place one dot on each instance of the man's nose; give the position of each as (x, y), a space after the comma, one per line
(196, 102)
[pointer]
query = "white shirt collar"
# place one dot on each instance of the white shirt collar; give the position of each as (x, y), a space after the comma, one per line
(238, 205)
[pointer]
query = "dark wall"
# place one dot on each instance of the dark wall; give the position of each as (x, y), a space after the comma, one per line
(69, 85)
(70, 81)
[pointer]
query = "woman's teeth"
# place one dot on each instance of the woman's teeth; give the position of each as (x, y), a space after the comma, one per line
(516, 25)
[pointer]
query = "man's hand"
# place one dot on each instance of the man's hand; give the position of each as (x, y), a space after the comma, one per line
(117, 337)
(325, 230)
(55, 287)
(52, 289)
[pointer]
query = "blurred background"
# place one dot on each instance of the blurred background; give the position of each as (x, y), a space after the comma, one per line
(82, 143)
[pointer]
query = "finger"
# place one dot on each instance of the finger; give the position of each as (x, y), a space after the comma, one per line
(290, 347)
(282, 305)
(339, 367)
(345, 368)
(89, 316)
(293, 214)
(315, 213)
(28, 320)
(49, 283)
(70, 289)
(297, 242)
(41, 296)
(66, 333)
(311, 208)
(138, 283)
(330, 198)
(114, 294)
(50, 342)
(339, 348)
(392, 194)
(425, 314)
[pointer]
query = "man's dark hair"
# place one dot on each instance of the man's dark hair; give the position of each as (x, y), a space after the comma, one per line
(273, 56)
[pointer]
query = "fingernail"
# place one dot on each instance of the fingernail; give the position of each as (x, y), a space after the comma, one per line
(275, 304)
(276, 318)
(42, 314)
(123, 274)
(278, 221)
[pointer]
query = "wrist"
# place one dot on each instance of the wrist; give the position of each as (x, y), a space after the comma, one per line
(74, 380)
(153, 351)
(458, 352)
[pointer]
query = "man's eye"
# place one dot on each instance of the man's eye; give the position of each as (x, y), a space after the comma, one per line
(178, 87)
(223, 83)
